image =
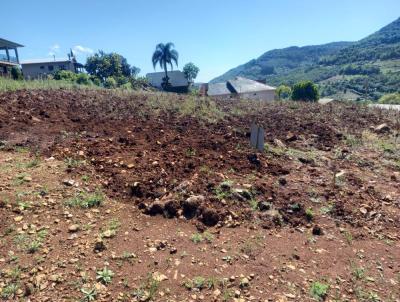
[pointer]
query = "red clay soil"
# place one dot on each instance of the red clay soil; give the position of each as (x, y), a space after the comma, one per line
(326, 169)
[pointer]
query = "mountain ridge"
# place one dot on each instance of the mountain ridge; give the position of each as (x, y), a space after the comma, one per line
(367, 68)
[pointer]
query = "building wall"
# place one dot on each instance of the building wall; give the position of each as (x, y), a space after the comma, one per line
(267, 95)
(38, 70)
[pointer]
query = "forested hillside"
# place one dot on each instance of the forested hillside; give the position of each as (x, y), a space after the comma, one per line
(366, 69)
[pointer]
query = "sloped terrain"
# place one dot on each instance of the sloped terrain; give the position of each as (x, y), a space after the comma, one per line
(166, 193)
(351, 70)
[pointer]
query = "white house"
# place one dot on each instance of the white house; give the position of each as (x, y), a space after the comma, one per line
(242, 88)
(177, 79)
(39, 68)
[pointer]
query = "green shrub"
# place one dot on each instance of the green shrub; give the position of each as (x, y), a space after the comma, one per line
(391, 98)
(305, 91)
(139, 82)
(95, 80)
(319, 291)
(16, 73)
(65, 75)
(83, 79)
(110, 83)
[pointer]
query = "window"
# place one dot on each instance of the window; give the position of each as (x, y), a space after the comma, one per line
(41, 67)
(61, 67)
(50, 67)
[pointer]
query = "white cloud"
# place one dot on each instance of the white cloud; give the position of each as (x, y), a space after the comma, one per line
(54, 50)
(79, 49)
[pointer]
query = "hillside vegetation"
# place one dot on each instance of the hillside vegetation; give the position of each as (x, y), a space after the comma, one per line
(366, 69)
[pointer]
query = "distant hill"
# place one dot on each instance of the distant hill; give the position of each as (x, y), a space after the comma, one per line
(368, 68)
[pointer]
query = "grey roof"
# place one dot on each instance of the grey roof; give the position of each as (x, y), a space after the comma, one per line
(219, 89)
(243, 85)
(176, 78)
(237, 85)
(5, 43)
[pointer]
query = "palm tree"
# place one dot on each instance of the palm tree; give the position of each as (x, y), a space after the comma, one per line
(164, 55)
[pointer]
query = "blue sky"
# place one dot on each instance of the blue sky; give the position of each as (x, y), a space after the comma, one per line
(216, 35)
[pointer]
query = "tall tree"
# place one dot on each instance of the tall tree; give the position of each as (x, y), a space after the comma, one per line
(191, 71)
(104, 65)
(165, 54)
(305, 91)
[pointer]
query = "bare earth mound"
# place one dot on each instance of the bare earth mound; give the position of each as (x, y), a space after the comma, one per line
(166, 193)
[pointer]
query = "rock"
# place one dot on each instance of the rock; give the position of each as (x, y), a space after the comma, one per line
(306, 161)
(191, 205)
(279, 143)
(55, 278)
(290, 137)
(171, 208)
(68, 182)
(156, 208)
(210, 217)
(99, 246)
(18, 218)
(216, 293)
(108, 234)
(136, 190)
(27, 178)
(159, 277)
(271, 218)
(253, 159)
(244, 282)
(173, 250)
(363, 210)
(264, 206)
(317, 231)
(243, 193)
(382, 128)
(73, 228)
(282, 181)
(130, 166)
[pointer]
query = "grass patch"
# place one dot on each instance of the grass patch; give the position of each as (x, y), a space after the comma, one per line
(86, 200)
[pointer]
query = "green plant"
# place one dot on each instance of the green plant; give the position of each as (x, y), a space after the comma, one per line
(190, 70)
(309, 214)
(83, 79)
(348, 236)
(105, 276)
(197, 238)
(10, 291)
(147, 290)
(110, 83)
(359, 272)
(89, 294)
(198, 282)
(319, 290)
(86, 200)
(305, 91)
(16, 73)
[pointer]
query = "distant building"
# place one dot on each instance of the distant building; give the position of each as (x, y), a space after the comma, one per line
(242, 88)
(40, 68)
(8, 55)
(177, 79)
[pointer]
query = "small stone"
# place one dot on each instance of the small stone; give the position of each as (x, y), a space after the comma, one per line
(18, 218)
(317, 231)
(68, 182)
(382, 128)
(244, 282)
(159, 277)
(99, 246)
(73, 228)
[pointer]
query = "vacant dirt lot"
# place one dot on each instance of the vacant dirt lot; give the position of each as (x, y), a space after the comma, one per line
(109, 196)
